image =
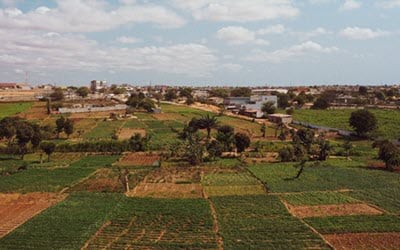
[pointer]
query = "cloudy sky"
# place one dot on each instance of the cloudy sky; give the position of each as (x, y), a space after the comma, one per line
(201, 42)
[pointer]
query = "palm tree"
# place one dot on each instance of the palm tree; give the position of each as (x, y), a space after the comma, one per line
(208, 122)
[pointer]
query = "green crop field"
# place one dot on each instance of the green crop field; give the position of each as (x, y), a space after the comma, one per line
(9, 109)
(356, 224)
(386, 198)
(318, 198)
(104, 130)
(388, 120)
(67, 225)
(261, 222)
(279, 177)
(53, 179)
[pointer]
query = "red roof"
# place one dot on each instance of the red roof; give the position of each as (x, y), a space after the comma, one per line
(7, 85)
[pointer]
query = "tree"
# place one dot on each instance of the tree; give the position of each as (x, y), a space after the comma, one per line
(170, 95)
(37, 136)
(219, 92)
(60, 123)
(226, 136)
(321, 103)
(194, 150)
(305, 137)
(68, 127)
(390, 154)
(215, 149)
(24, 135)
(242, 141)
(207, 122)
(283, 101)
(347, 146)
(263, 130)
(189, 100)
(83, 91)
(380, 96)
(186, 92)
(57, 95)
(268, 107)
(363, 122)
(8, 128)
(241, 92)
(48, 147)
(286, 154)
(124, 178)
(362, 90)
(323, 148)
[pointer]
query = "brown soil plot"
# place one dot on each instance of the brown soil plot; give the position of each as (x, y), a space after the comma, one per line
(364, 240)
(333, 210)
(167, 190)
(139, 159)
(16, 209)
(127, 133)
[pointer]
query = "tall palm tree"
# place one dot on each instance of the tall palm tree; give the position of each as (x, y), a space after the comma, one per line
(208, 122)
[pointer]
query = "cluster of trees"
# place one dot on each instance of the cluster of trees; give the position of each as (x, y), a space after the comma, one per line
(64, 125)
(140, 101)
(363, 122)
(195, 149)
(388, 153)
(21, 135)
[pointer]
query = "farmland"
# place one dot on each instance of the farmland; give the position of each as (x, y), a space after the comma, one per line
(388, 120)
(9, 109)
(222, 203)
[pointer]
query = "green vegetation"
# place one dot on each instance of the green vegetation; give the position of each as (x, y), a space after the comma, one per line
(388, 198)
(356, 224)
(104, 130)
(318, 198)
(388, 120)
(53, 179)
(261, 222)
(68, 224)
(329, 176)
(9, 109)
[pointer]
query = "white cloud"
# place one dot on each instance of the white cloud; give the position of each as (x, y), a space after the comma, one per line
(127, 39)
(87, 16)
(238, 10)
(237, 35)
(350, 5)
(275, 29)
(356, 33)
(307, 35)
(389, 4)
(38, 52)
(232, 67)
(296, 51)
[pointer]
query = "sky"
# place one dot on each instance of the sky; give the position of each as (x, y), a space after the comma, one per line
(200, 42)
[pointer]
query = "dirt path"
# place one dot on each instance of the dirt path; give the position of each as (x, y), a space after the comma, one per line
(220, 242)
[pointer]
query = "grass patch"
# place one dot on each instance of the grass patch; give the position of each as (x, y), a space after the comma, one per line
(388, 199)
(9, 109)
(104, 130)
(229, 179)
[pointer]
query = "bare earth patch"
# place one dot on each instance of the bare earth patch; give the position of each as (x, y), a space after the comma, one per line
(99, 115)
(364, 240)
(16, 209)
(127, 133)
(333, 210)
(139, 159)
(169, 117)
(167, 190)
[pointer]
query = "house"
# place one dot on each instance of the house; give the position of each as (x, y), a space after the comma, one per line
(16, 86)
(280, 118)
(250, 106)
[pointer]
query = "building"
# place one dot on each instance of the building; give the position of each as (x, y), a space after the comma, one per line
(250, 106)
(14, 86)
(97, 85)
(280, 118)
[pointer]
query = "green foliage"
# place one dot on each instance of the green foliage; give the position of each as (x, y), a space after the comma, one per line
(57, 95)
(242, 141)
(104, 130)
(241, 92)
(386, 198)
(363, 122)
(390, 154)
(268, 108)
(48, 147)
(83, 91)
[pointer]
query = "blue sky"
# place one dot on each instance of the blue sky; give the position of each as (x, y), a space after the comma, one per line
(201, 42)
